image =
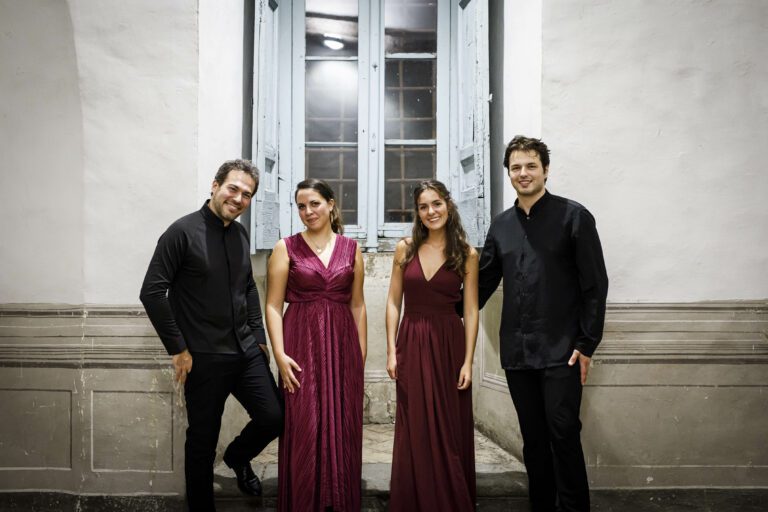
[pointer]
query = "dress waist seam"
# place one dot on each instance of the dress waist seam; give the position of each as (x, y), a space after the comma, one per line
(419, 312)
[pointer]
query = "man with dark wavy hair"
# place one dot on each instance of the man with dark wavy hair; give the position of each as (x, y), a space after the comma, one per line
(547, 251)
(200, 296)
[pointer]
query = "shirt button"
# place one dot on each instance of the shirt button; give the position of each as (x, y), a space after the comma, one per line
(527, 218)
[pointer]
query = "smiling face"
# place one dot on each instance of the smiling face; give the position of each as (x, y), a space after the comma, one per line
(231, 198)
(433, 209)
(314, 210)
(526, 173)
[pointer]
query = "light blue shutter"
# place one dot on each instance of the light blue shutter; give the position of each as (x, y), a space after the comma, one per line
(265, 222)
(470, 163)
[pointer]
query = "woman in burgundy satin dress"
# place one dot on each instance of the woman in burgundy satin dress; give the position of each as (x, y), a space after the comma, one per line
(430, 356)
(319, 345)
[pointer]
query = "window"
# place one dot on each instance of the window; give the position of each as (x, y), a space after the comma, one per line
(373, 96)
(331, 99)
(410, 112)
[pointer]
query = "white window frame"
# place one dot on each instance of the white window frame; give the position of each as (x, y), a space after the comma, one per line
(371, 229)
(298, 123)
(390, 232)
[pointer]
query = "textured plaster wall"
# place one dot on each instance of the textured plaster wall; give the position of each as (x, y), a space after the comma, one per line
(657, 114)
(522, 81)
(115, 117)
(220, 98)
(41, 155)
(138, 79)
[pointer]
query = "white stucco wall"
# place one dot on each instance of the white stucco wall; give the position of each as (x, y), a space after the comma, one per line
(115, 117)
(220, 99)
(656, 113)
(137, 65)
(41, 152)
(522, 78)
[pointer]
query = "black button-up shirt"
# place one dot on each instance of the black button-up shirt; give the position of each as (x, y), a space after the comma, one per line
(555, 283)
(199, 291)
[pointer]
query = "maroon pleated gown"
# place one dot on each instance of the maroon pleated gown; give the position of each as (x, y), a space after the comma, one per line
(320, 454)
(433, 466)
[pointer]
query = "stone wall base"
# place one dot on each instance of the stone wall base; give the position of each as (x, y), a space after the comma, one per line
(677, 396)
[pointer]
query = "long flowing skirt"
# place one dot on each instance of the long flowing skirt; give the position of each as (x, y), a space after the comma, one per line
(433, 465)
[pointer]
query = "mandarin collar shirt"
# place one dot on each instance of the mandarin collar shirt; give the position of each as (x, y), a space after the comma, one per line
(199, 291)
(554, 282)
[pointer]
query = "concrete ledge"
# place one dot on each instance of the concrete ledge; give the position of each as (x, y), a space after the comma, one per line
(48, 336)
(617, 500)
(677, 397)
(89, 403)
(492, 481)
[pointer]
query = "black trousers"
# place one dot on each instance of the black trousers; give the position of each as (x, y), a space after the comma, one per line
(212, 379)
(547, 403)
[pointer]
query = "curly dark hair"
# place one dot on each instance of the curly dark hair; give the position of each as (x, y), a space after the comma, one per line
(523, 143)
(456, 247)
(246, 166)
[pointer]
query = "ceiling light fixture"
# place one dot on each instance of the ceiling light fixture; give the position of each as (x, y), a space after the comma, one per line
(333, 41)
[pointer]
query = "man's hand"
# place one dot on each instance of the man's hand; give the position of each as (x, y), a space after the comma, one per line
(182, 364)
(583, 363)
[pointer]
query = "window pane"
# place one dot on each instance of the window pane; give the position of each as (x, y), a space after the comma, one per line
(419, 163)
(323, 163)
(331, 27)
(418, 130)
(338, 167)
(331, 101)
(410, 26)
(404, 168)
(418, 103)
(323, 105)
(419, 73)
(410, 130)
(392, 104)
(410, 99)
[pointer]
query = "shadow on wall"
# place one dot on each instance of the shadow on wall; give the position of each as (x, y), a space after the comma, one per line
(41, 143)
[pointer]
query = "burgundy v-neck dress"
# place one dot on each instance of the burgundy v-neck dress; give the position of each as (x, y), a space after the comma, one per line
(320, 454)
(433, 466)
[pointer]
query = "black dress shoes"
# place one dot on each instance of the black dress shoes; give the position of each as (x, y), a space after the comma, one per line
(247, 481)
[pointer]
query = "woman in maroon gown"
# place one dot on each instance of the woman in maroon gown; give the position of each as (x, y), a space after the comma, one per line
(320, 346)
(430, 356)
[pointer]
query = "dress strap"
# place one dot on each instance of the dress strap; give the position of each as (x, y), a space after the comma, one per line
(349, 249)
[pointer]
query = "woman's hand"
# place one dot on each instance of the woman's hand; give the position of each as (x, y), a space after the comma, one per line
(465, 376)
(392, 366)
(286, 365)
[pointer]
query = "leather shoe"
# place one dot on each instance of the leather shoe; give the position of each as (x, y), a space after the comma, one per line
(247, 481)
